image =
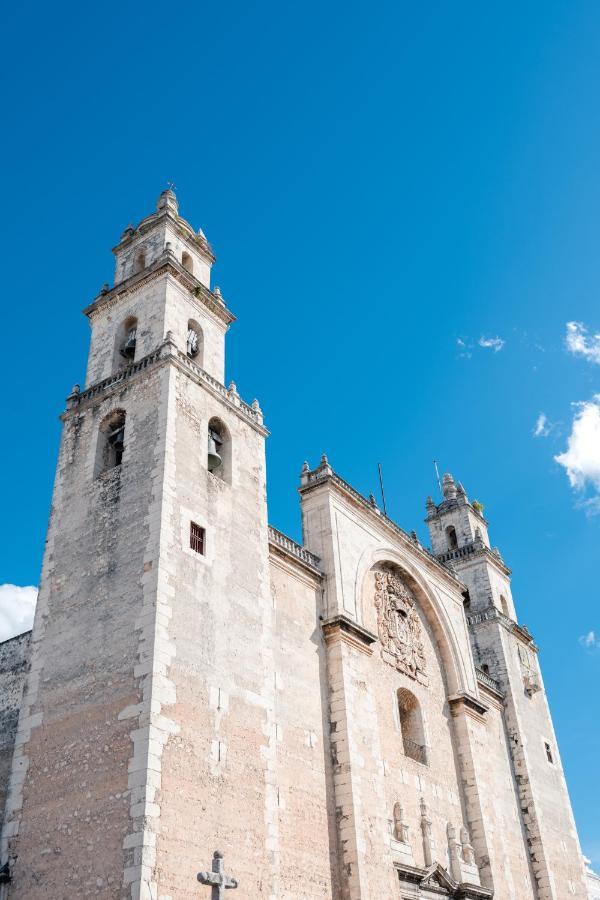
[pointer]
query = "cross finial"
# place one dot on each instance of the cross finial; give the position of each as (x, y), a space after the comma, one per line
(171, 185)
(217, 879)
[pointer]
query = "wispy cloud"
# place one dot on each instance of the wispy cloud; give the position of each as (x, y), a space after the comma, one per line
(590, 641)
(542, 427)
(465, 348)
(581, 343)
(581, 459)
(491, 343)
(468, 345)
(17, 606)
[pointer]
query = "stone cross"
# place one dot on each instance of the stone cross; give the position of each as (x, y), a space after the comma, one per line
(217, 878)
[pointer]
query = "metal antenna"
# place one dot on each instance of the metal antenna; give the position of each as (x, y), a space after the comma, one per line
(382, 491)
(437, 475)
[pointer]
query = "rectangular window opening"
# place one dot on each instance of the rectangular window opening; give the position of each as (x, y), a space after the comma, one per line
(548, 752)
(197, 538)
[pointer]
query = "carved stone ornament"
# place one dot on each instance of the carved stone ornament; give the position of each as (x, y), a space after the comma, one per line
(398, 625)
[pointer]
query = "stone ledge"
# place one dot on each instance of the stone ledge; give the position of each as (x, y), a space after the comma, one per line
(166, 352)
(342, 628)
(290, 548)
(472, 705)
(167, 263)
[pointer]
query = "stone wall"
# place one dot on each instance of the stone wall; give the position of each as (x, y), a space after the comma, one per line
(68, 813)
(14, 659)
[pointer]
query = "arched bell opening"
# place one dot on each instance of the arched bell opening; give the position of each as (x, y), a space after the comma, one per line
(218, 460)
(195, 342)
(126, 342)
(451, 537)
(139, 261)
(111, 442)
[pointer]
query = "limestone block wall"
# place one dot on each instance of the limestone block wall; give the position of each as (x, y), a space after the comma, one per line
(68, 812)
(555, 855)
(491, 770)
(306, 825)
(14, 660)
(217, 772)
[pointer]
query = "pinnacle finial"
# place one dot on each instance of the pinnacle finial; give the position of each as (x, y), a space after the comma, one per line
(168, 201)
(449, 487)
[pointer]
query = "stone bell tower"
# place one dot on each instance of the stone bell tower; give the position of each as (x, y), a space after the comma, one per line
(506, 652)
(147, 699)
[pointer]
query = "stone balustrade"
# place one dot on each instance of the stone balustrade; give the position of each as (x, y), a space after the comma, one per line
(285, 543)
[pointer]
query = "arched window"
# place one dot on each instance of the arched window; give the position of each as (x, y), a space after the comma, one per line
(451, 537)
(126, 341)
(411, 726)
(195, 342)
(139, 261)
(219, 450)
(187, 262)
(504, 606)
(111, 442)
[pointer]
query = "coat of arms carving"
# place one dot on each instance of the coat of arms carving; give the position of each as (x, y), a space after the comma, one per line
(399, 625)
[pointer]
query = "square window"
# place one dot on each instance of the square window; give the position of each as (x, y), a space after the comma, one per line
(197, 538)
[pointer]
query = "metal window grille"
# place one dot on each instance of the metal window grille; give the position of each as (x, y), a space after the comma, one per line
(197, 538)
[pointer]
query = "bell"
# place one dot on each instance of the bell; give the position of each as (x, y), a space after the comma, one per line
(117, 439)
(192, 343)
(128, 348)
(214, 460)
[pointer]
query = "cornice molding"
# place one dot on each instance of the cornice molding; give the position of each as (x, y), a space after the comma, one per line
(325, 475)
(282, 545)
(166, 353)
(342, 628)
(492, 614)
(168, 264)
(451, 888)
(469, 704)
(179, 224)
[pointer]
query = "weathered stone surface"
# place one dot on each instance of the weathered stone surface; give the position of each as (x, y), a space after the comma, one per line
(14, 659)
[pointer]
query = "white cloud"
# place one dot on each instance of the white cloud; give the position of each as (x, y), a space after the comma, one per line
(465, 348)
(17, 606)
(590, 641)
(493, 343)
(581, 459)
(466, 345)
(581, 343)
(542, 426)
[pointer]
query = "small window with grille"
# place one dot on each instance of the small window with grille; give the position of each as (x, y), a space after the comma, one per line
(197, 538)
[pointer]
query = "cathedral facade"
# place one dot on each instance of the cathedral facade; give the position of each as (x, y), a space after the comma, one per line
(354, 717)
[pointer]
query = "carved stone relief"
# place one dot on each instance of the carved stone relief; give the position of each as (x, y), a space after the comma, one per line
(399, 626)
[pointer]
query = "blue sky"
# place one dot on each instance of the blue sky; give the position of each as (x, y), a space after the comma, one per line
(384, 187)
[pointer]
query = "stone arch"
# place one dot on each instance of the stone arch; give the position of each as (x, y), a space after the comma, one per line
(125, 342)
(219, 439)
(437, 618)
(110, 444)
(195, 342)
